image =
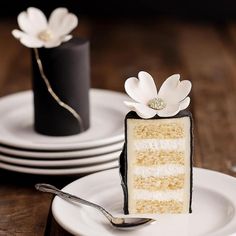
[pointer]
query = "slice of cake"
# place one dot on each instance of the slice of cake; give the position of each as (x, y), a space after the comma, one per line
(156, 162)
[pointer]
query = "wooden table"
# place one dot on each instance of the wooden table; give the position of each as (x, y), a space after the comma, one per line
(202, 53)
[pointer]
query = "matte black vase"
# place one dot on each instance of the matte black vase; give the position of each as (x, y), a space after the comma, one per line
(67, 68)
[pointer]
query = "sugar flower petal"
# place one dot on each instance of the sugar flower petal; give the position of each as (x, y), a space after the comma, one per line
(168, 86)
(53, 43)
(27, 40)
(183, 89)
(56, 18)
(67, 38)
(173, 90)
(142, 110)
(32, 21)
(17, 33)
(169, 110)
(65, 24)
(184, 104)
(142, 89)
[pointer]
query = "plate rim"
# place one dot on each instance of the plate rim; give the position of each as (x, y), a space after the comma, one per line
(85, 153)
(103, 158)
(60, 172)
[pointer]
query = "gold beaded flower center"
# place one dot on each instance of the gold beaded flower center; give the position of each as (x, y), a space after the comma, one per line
(157, 104)
(45, 35)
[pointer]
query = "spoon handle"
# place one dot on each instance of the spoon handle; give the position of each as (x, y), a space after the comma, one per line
(69, 197)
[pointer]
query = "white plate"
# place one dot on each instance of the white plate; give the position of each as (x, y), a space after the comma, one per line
(107, 115)
(62, 154)
(61, 171)
(60, 163)
(214, 207)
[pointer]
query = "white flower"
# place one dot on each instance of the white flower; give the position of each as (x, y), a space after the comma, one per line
(38, 32)
(168, 101)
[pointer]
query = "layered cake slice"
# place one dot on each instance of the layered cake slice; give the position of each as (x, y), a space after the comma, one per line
(156, 162)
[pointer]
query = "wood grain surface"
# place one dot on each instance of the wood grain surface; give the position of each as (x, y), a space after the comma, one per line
(204, 53)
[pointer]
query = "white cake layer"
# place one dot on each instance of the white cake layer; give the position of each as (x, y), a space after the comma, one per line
(159, 144)
(159, 171)
(177, 195)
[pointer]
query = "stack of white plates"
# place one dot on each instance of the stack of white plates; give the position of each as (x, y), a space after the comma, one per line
(98, 148)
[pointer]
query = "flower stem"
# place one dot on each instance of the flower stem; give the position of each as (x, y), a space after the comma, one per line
(53, 94)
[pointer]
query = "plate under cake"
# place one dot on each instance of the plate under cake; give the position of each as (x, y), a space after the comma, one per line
(156, 164)
(214, 208)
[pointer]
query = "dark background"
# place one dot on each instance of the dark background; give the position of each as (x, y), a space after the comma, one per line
(208, 9)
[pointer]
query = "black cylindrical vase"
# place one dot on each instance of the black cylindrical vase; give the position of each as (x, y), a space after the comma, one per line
(67, 68)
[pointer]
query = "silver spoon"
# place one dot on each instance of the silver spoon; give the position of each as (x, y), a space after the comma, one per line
(118, 222)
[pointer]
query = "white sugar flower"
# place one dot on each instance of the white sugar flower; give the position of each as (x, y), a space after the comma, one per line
(37, 32)
(168, 101)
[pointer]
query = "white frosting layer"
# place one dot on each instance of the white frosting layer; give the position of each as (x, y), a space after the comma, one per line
(157, 144)
(177, 195)
(159, 171)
